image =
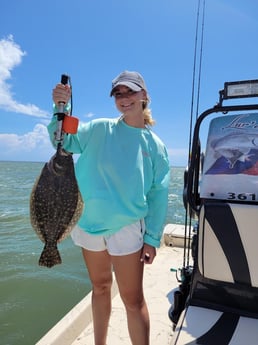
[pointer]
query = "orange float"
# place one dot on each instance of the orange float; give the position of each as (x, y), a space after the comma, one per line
(70, 124)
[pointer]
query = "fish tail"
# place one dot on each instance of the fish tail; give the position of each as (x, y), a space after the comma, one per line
(50, 256)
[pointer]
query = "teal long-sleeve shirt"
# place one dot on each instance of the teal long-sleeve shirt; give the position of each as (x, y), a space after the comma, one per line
(123, 175)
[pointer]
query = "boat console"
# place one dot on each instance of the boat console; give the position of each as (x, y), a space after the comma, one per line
(221, 191)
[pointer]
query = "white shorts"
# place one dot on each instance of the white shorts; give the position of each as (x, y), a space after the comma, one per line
(127, 240)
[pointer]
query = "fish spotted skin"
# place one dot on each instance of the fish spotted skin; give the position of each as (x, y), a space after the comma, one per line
(55, 205)
(50, 255)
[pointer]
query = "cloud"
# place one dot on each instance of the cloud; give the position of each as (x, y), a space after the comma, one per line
(34, 145)
(178, 157)
(11, 56)
(89, 115)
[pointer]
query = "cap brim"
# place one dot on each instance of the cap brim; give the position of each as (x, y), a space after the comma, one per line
(129, 84)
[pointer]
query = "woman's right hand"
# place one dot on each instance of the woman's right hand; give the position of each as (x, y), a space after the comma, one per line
(61, 94)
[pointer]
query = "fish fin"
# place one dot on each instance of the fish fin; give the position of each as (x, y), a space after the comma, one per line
(50, 256)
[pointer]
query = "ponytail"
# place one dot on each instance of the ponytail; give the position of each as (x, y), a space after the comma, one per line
(148, 120)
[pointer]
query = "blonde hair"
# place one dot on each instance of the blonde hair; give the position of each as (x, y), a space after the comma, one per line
(148, 120)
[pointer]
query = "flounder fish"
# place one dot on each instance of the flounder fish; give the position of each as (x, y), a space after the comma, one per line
(55, 205)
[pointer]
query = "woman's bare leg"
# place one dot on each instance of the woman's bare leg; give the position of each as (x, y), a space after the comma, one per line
(129, 274)
(100, 272)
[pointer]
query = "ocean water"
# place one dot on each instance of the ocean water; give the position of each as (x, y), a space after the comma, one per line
(33, 298)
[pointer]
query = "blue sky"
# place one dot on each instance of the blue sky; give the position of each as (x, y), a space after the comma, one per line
(94, 40)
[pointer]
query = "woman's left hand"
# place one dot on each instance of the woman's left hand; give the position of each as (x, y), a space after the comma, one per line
(148, 254)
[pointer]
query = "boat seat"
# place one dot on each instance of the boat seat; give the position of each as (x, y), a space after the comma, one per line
(211, 327)
(223, 303)
(228, 238)
(222, 307)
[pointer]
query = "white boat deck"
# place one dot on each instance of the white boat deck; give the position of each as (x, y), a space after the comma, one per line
(159, 283)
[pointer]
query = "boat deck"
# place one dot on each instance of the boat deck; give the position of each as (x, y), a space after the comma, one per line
(159, 284)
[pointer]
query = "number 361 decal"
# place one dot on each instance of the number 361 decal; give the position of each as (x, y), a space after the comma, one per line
(242, 196)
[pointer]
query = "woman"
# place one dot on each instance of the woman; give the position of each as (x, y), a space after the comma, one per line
(123, 176)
